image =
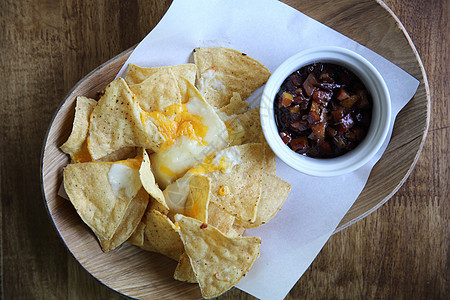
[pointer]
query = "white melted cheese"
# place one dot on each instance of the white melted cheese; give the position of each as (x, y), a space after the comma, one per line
(124, 181)
(208, 79)
(217, 131)
(173, 162)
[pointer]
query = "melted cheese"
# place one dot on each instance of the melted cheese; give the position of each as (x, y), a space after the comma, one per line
(192, 130)
(208, 79)
(223, 161)
(179, 120)
(124, 178)
(83, 155)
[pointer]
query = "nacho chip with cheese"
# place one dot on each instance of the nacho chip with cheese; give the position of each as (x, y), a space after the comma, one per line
(101, 192)
(223, 71)
(218, 261)
(191, 130)
(116, 122)
(237, 190)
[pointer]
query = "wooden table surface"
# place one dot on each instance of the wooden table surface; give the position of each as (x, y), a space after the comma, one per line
(399, 251)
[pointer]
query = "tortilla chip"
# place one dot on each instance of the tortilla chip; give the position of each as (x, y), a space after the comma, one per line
(149, 183)
(274, 192)
(218, 261)
(137, 237)
(220, 219)
(236, 106)
(270, 165)
(196, 205)
(158, 91)
(236, 230)
(75, 145)
(188, 90)
(205, 132)
(121, 154)
(160, 235)
(136, 74)
(156, 205)
(246, 128)
(223, 71)
(116, 122)
(243, 182)
(176, 194)
(183, 271)
(92, 195)
(130, 221)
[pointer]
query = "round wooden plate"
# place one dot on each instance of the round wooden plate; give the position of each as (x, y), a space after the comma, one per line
(142, 274)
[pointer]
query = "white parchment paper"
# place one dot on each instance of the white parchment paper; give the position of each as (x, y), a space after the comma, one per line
(270, 32)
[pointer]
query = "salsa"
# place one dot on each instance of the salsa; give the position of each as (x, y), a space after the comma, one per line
(323, 110)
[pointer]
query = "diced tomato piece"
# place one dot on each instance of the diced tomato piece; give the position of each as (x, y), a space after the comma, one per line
(309, 83)
(342, 94)
(300, 125)
(325, 77)
(337, 114)
(350, 135)
(313, 117)
(346, 123)
(286, 99)
(319, 130)
(300, 143)
(296, 79)
(350, 101)
(286, 137)
(322, 96)
(294, 109)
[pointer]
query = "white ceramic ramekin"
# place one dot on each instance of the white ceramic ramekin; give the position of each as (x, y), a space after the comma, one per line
(379, 126)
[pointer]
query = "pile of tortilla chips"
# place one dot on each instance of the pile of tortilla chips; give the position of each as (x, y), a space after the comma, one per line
(111, 180)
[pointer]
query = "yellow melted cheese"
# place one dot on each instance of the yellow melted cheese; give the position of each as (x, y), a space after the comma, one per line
(222, 161)
(83, 155)
(192, 131)
(177, 122)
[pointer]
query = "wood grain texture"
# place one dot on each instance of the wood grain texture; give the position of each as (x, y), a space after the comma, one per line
(399, 251)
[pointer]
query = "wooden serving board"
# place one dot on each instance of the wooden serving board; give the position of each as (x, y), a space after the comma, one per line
(141, 274)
